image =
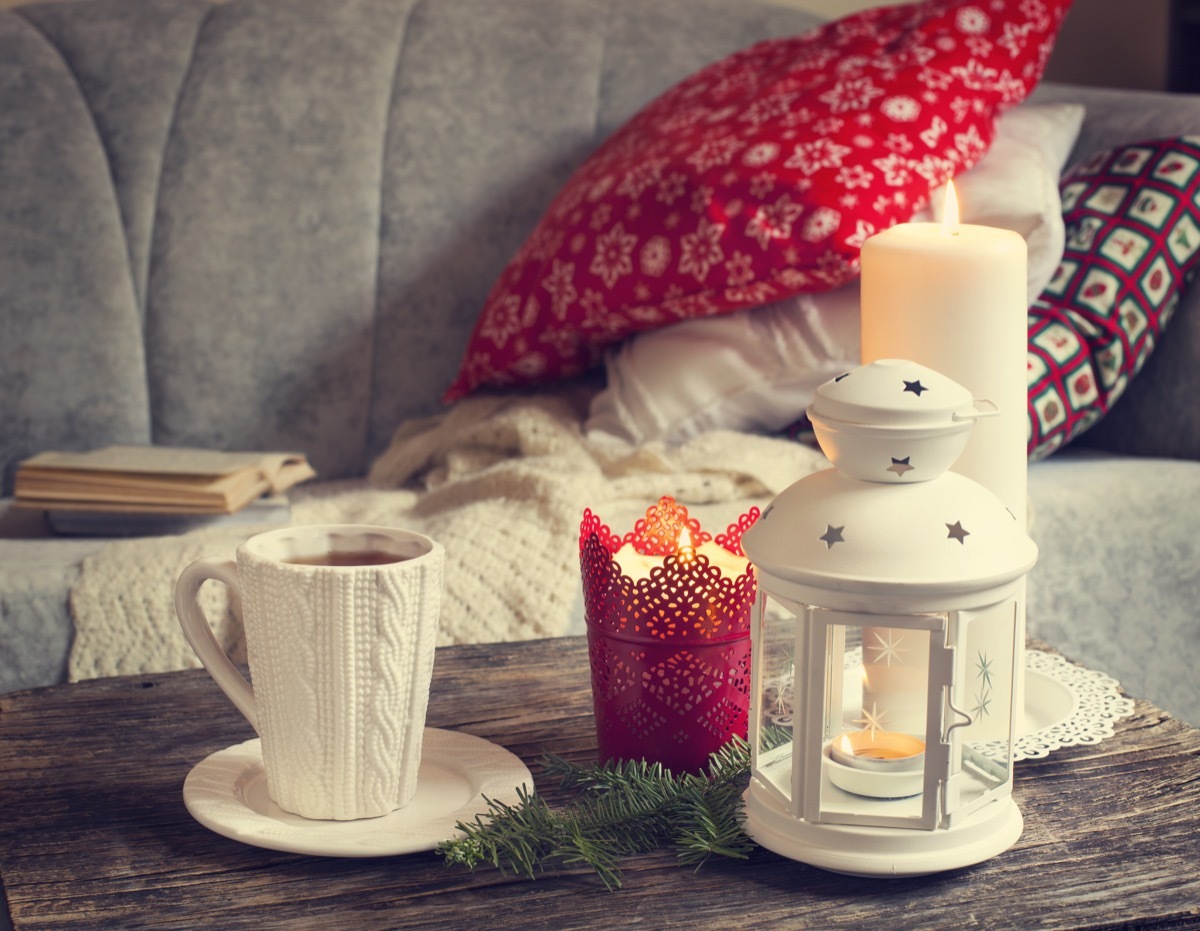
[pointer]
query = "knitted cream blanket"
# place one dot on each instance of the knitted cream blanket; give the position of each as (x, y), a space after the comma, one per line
(501, 483)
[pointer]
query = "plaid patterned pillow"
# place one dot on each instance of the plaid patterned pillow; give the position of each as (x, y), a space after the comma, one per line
(1132, 216)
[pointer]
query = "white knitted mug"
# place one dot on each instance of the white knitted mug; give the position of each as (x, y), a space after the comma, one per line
(341, 623)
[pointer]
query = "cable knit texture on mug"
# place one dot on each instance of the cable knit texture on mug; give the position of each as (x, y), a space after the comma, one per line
(341, 699)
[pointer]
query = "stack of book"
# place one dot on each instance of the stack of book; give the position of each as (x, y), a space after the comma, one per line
(126, 490)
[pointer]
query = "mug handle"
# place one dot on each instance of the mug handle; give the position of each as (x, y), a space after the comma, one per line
(200, 635)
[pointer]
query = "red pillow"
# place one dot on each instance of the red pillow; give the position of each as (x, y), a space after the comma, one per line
(1133, 242)
(757, 178)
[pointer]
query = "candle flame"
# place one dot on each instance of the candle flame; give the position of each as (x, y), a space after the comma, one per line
(950, 211)
(684, 545)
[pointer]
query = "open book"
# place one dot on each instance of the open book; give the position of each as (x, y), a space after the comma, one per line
(155, 479)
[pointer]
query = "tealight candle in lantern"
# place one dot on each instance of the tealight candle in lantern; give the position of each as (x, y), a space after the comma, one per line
(879, 751)
(877, 764)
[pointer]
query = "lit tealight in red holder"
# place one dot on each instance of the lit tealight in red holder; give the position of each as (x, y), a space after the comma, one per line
(668, 621)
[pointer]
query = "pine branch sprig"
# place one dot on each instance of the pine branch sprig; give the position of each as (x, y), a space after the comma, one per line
(705, 829)
(624, 808)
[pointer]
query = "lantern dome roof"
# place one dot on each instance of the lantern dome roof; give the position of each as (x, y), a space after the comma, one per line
(893, 420)
(938, 537)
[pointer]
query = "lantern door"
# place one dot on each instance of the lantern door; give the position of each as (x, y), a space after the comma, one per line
(874, 749)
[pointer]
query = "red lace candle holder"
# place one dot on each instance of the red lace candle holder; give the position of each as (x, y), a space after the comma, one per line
(668, 620)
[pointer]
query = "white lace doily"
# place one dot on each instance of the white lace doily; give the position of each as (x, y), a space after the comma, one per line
(1097, 706)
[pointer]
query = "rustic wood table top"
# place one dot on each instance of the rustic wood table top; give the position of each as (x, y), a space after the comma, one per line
(94, 832)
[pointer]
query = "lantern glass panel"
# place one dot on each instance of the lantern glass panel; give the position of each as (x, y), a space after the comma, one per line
(981, 751)
(775, 658)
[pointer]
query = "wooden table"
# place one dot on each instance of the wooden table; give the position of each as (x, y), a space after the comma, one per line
(94, 833)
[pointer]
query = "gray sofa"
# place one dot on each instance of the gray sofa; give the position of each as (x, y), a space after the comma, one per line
(271, 224)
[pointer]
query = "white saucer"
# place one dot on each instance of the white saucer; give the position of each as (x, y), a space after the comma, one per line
(227, 793)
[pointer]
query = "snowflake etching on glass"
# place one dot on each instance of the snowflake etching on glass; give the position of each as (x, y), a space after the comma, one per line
(888, 648)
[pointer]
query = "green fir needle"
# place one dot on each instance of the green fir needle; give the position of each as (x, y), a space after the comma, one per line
(623, 808)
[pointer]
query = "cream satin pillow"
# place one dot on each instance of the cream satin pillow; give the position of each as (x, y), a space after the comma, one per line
(756, 370)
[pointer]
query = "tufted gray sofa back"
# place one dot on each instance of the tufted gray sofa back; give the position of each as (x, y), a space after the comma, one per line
(271, 223)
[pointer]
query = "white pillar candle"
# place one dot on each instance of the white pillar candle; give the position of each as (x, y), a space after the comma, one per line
(953, 297)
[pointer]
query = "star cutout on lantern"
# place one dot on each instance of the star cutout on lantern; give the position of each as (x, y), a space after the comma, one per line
(915, 387)
(957, 532)
(832, 535)
(900, 466)
(889, 649)
(983, 702)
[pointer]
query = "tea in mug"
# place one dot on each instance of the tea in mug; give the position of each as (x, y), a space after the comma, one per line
(347, 558)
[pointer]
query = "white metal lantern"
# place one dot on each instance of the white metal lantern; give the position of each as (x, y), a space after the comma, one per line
(885, 639)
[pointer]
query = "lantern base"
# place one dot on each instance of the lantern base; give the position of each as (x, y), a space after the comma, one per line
(857, 850)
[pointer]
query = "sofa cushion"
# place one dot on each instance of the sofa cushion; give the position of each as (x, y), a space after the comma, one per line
(1133, 238)
(756, 178)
